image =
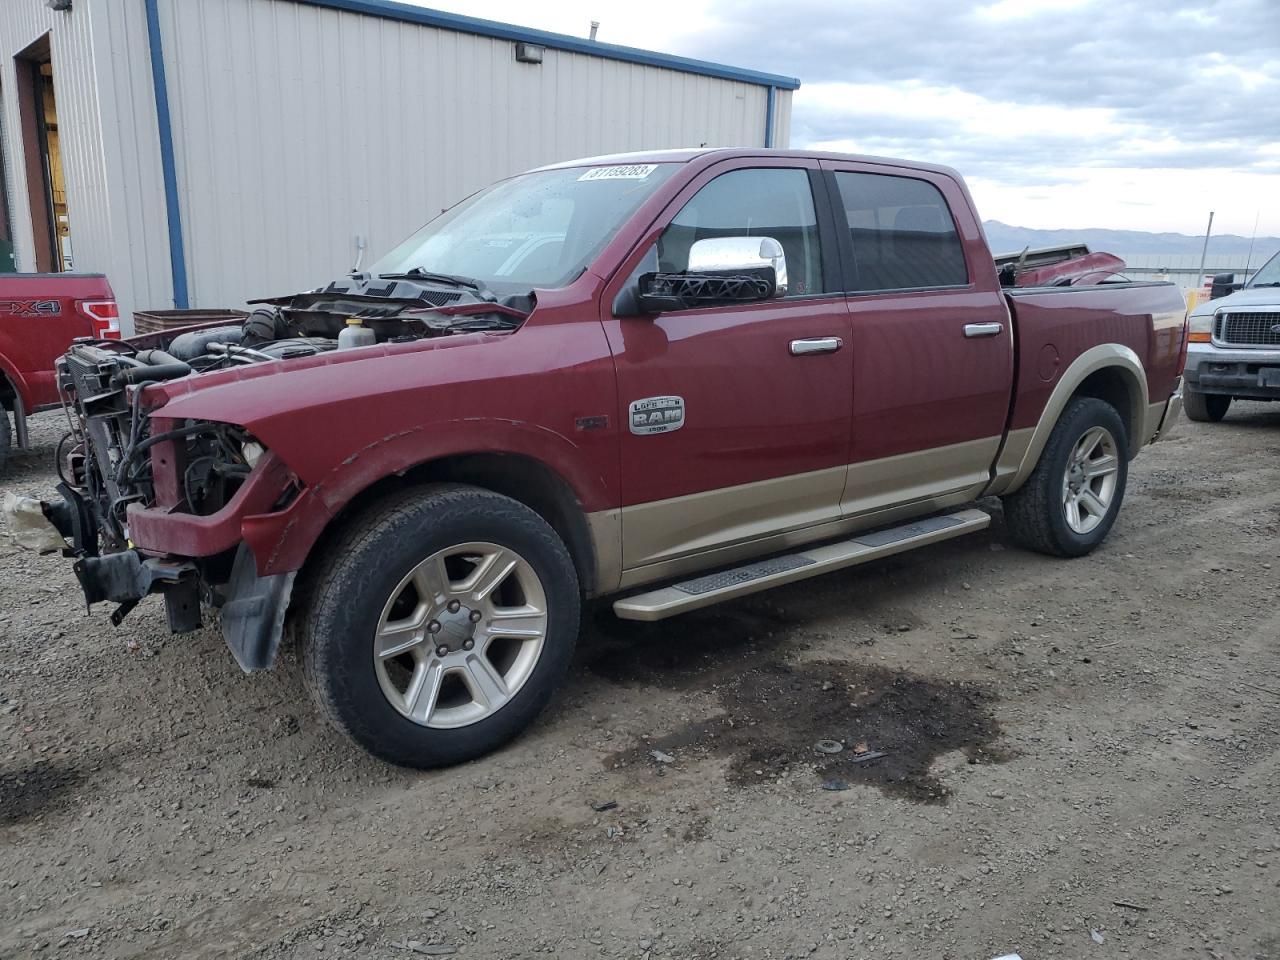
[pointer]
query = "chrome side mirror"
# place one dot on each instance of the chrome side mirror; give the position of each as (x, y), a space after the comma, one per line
(729, 256)
(721, 270)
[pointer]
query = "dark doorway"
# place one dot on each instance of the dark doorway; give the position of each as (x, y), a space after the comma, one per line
(8, 264)
(42, 157)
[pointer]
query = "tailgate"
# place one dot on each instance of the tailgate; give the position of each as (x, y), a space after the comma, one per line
(40, 314)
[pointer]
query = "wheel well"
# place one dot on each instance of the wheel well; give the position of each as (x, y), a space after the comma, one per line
(1115, 386)
(8, 394)
(521, 478)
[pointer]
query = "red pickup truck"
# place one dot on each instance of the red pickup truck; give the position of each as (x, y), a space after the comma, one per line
(670, 378)
(40, 314)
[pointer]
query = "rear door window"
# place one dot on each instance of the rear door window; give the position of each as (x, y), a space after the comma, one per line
(902, 231)
(759, 202)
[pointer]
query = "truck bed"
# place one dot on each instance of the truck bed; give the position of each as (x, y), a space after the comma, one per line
(1056, 325)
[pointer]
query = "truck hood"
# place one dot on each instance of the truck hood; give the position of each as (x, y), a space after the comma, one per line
(1249, 297)
(249, 395)
(324, 413)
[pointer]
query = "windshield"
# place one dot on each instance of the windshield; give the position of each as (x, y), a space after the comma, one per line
(1268, 274)
(536, 230)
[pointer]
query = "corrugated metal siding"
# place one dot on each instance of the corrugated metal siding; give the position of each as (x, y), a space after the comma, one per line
(135, 188)
(110, 148)
(782, 126)
(22, 22)
(297, 128)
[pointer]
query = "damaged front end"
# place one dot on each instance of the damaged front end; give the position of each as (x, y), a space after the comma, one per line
(152, 505)
(157, 502)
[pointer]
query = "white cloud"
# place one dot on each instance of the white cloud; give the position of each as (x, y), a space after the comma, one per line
(1025, 165)
(961, 109)
(1060, 113)
(1028, 9)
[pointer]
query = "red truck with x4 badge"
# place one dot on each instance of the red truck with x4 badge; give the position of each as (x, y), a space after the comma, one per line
(40, 314)
(669, 379)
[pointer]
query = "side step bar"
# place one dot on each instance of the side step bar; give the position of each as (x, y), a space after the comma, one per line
(763, 574)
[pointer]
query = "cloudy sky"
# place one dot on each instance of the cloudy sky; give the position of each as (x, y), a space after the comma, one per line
(1131, 114)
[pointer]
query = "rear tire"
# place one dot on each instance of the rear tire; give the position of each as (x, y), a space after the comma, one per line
(416, 643)
(6, 436)
(1205, 407)
(1070, 501)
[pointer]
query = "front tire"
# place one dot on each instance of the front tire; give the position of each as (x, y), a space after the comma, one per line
(1205, 407)
(438, 624)
(1070, 501)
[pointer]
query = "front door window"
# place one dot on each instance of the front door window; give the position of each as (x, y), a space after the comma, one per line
(761, 202)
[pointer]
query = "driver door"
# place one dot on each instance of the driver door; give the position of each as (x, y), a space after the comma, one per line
(756, 398)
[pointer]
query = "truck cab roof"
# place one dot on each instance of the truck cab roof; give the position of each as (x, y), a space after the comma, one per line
(711, 154)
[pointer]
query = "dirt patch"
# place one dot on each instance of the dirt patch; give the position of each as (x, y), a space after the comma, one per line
(775, 715)
(772, 712)
(35, 789)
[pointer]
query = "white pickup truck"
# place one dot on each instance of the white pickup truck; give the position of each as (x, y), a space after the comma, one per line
(1234, 348)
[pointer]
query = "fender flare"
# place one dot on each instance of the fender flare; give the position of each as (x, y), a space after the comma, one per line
(282, 541)
(1019, 459)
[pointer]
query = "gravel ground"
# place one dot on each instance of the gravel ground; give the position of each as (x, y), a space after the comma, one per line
(1080, 761)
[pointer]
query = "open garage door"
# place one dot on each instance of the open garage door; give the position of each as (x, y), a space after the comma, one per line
(41, 156)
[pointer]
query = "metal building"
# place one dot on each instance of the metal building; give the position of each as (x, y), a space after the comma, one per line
(203, 152)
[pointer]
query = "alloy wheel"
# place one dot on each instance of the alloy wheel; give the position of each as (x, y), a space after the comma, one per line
(460, 635)
(1089, 482)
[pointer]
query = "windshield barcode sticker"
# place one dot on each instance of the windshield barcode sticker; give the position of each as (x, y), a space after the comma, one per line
(633, 171)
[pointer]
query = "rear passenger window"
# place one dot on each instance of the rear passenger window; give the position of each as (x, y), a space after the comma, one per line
(902, 231)
(766, 202)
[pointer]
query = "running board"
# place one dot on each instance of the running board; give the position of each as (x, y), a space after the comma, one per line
(763, 574)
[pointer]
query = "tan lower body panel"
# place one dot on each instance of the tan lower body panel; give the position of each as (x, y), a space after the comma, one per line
(719, 527)
(666, 529)
(1172, 416)
(1155, 416)
(921, 475)
(606, 541)
(812, 562)
(1015, 449)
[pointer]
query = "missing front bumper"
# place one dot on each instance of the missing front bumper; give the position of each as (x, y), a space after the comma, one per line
(253, 608)
(126, 577)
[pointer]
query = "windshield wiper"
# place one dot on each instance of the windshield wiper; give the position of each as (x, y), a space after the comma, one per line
(448, 279)
(1255, 286)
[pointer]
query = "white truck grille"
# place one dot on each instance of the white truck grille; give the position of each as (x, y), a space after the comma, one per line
(1248, 329)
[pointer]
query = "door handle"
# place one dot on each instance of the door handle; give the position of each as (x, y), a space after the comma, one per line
(982, 329)
(800, 348)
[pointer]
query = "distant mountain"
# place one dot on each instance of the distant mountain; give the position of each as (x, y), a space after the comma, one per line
(1007, 239)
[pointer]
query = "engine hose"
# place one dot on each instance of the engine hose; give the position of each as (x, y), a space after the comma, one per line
(187, 431)
(156, 357)
(144, 445)
(160, 371)
(59, 460)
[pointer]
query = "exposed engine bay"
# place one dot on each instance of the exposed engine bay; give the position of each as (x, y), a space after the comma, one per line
(105, 461)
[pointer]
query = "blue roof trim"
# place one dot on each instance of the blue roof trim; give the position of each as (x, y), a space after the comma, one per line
(173, 212)
(769, 110)
(388, 9)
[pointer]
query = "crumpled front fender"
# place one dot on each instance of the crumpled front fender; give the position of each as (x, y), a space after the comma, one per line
(160, 530)
(281, 541)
